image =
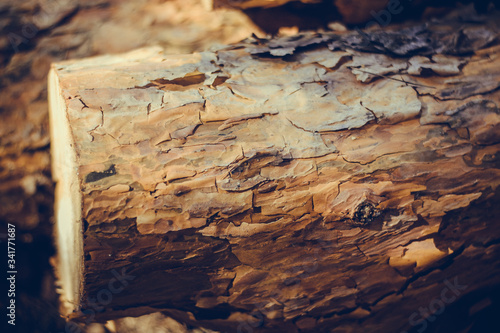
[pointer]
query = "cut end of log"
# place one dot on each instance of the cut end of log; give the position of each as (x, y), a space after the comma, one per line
(68, 227)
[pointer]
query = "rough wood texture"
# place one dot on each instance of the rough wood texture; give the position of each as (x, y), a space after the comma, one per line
(319, 182)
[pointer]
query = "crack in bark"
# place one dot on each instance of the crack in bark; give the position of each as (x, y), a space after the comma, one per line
(391, 78)
(373, 113)
(377, 158)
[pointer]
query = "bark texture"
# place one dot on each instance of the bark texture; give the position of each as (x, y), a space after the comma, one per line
(321, 182)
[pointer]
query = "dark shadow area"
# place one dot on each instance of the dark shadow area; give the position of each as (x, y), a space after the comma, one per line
(317, 16)
(303, 16)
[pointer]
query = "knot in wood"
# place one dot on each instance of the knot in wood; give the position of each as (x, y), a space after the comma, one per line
(365, 213)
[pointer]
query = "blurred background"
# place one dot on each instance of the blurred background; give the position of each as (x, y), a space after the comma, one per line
(35, 33)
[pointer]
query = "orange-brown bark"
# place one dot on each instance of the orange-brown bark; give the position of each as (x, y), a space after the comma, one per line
(295, 183)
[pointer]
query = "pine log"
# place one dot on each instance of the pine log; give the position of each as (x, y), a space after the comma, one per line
(308, 183)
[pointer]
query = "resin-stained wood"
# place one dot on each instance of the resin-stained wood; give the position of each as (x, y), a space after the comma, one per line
(306, 183)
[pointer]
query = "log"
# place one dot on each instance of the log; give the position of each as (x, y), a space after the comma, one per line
(317, 182)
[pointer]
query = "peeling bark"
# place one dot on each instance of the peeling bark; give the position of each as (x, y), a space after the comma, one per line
(304, 183)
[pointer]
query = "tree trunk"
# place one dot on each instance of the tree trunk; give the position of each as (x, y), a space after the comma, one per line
(305, 183)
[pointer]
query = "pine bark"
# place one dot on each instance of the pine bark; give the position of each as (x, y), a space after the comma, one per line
(319, 182)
